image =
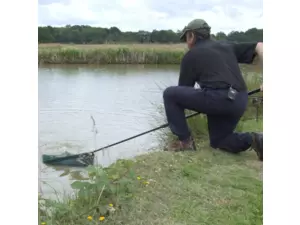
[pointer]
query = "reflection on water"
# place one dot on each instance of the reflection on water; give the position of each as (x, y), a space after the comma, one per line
(116, 101)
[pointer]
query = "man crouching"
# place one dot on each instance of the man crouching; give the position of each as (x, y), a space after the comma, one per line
(223, 94)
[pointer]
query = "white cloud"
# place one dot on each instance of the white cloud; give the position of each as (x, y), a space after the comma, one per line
(134, 15)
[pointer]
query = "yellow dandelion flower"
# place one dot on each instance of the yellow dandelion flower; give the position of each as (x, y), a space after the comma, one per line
(138, 178)
(90, 218)
(101, 218)
(146, 182)
(110, 205)
(43, 223)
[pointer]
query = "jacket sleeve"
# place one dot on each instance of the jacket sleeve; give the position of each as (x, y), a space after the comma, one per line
(245, 52)
(187, 76)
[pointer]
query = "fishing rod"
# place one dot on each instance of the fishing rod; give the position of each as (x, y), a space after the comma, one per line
(88, 157)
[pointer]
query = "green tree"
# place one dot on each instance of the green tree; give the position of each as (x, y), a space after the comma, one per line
(84, 34)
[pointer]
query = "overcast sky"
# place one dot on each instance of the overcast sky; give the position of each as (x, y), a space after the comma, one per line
(134, 15)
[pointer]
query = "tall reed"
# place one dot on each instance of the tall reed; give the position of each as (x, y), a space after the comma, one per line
(110, 55)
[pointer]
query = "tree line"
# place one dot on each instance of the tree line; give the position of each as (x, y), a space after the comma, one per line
(82, 34)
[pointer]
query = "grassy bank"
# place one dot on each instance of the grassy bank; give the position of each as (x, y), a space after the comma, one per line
(110, 54)
(207, 187)
(203, 187)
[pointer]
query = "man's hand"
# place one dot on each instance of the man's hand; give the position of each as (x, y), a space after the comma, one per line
(259, 51)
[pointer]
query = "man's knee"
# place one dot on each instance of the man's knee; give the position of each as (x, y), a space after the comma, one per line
(169, 92)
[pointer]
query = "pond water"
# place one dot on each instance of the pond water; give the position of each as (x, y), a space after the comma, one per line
(123, 100)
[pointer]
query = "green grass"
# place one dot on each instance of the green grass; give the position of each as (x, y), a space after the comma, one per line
(110, 54)
(203, 187)
(207, 187)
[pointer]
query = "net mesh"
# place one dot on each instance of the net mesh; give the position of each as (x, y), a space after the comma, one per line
(68, 159)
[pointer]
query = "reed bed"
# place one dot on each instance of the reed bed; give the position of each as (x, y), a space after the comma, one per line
(110, 54)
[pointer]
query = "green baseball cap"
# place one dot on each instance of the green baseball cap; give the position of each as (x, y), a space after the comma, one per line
(198, 25)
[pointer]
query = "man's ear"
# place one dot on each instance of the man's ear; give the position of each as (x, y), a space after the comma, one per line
(194, 37)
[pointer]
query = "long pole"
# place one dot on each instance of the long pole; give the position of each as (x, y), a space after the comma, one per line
(157, 128)
(135, 136)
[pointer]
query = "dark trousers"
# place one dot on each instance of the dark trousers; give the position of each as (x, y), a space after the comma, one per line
(223, 115)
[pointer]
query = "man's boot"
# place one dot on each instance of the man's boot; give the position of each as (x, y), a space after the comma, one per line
(257, 144)
(187, 145)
